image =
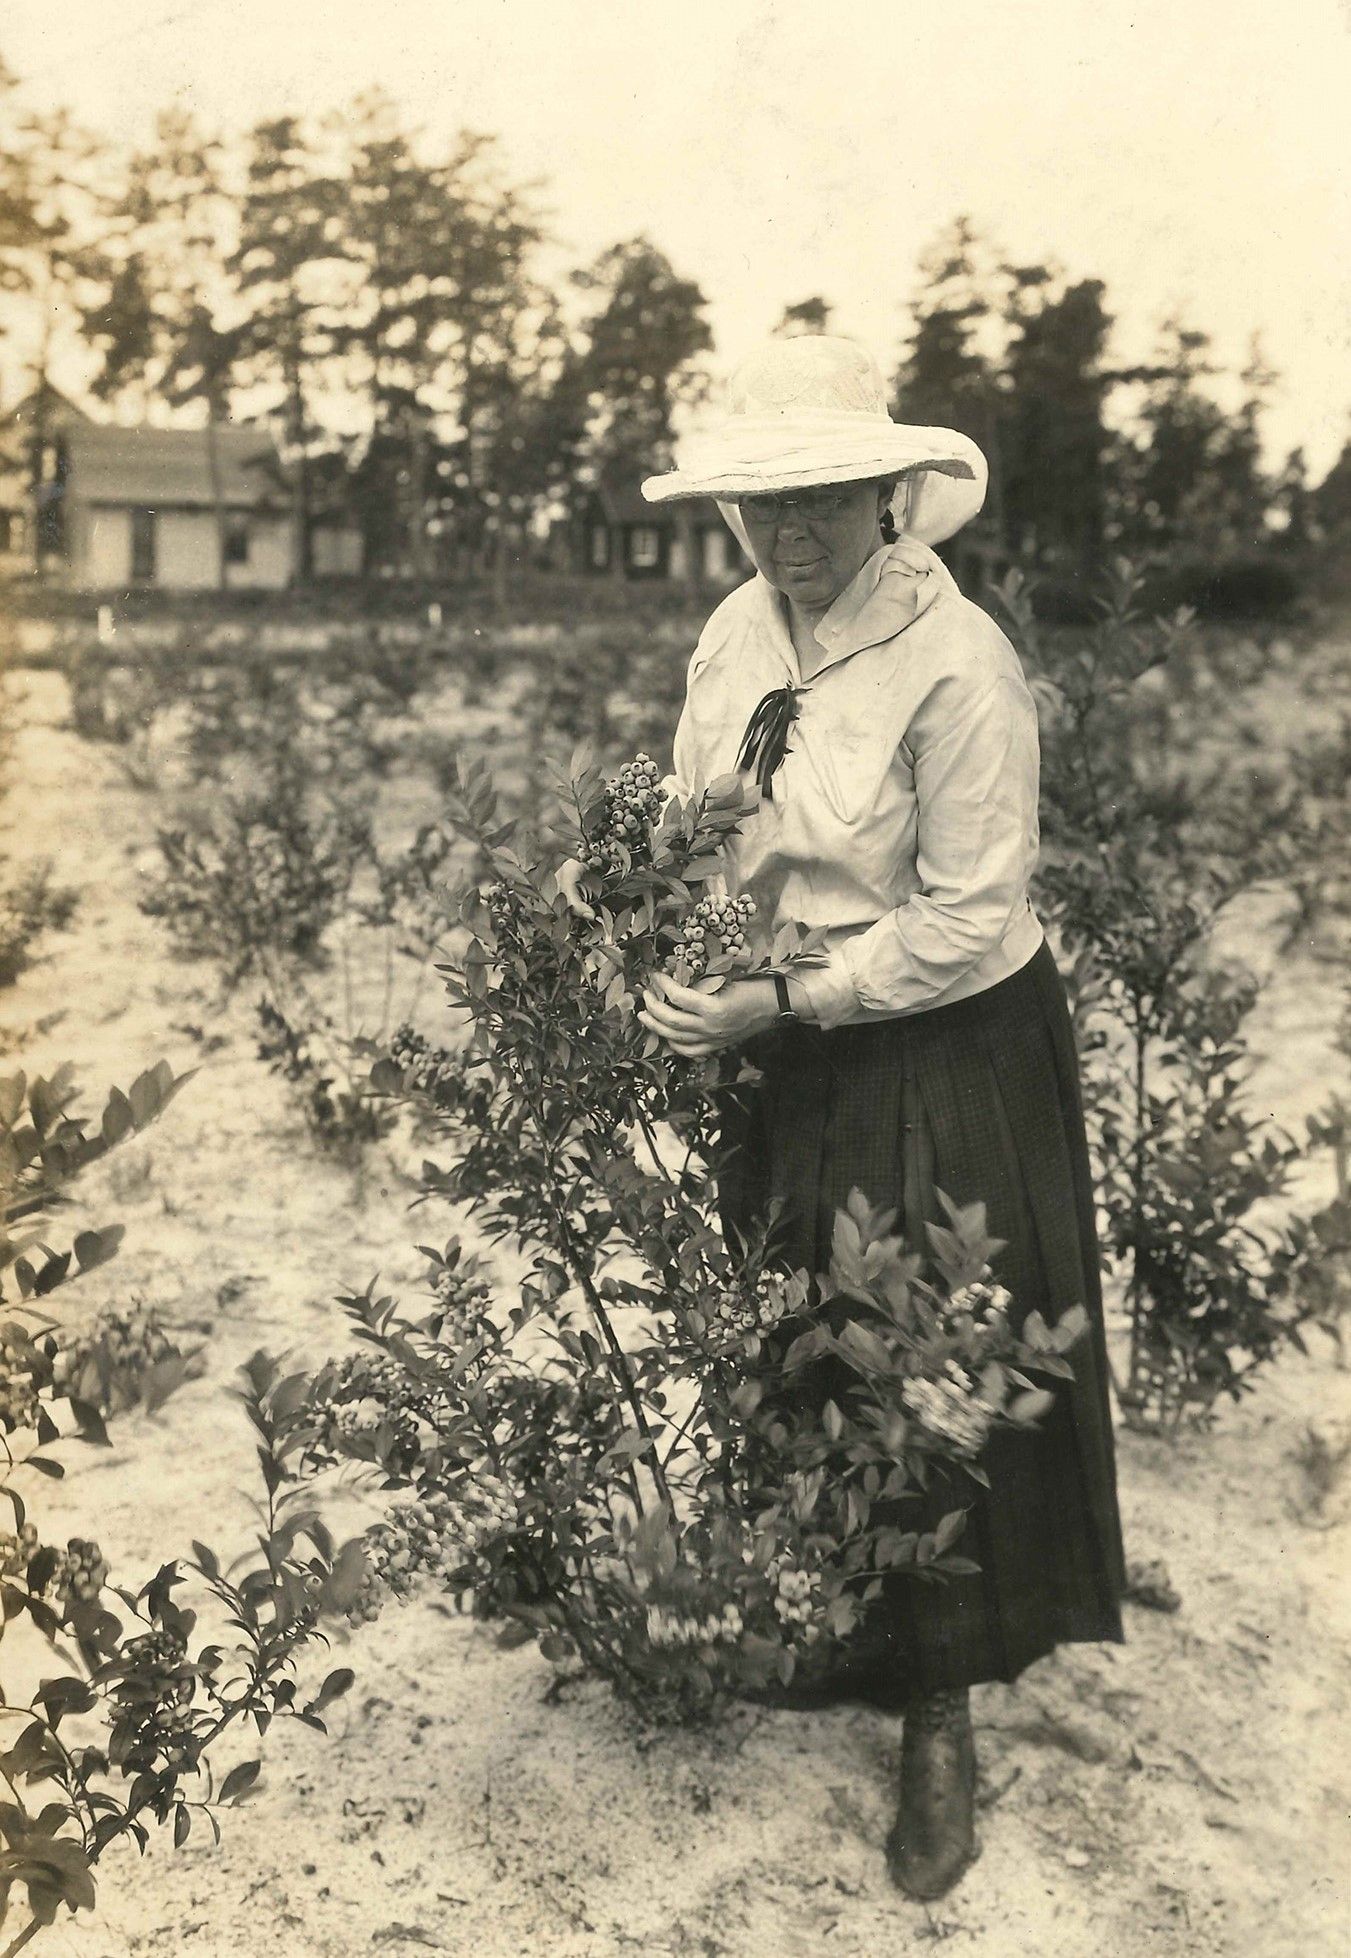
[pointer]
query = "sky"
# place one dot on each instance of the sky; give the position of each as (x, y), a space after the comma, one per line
(1191, 153)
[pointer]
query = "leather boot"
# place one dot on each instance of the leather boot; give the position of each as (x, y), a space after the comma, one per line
(933, 1839)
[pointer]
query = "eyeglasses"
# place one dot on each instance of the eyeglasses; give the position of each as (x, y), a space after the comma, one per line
(809, 503)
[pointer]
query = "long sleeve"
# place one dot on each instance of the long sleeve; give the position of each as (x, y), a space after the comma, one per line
(684, 765)
(976, 765)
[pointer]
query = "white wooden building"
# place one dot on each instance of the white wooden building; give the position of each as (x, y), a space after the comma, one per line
(185, 509)
(165, 506)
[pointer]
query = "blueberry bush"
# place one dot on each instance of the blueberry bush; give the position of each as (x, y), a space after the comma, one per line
(617, 1456)
(125, 1732)
(1149, 848)
(30, 903)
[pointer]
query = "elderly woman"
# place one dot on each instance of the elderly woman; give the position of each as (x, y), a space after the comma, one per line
(894, 740)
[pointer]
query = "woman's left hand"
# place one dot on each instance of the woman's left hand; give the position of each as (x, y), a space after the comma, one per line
(696, 1023)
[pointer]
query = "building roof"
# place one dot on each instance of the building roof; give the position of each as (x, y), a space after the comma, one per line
(45, 404)
(159, 468)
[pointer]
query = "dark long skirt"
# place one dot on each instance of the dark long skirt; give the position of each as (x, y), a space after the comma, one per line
(979, 1099)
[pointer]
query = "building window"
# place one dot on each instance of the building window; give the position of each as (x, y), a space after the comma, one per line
(143, 547)
(7, 538)
(644, 547)
(237, 540)
(600, 547)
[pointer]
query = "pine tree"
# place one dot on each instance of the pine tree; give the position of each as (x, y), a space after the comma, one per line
(1330, 521)
(1054, 440)
(158, 331)
(949, 376)
(443, 314)
(51, 223)
(288, 271)
(638, 362)
(807, 316)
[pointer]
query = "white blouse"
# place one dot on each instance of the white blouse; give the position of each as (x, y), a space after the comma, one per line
(903, 817)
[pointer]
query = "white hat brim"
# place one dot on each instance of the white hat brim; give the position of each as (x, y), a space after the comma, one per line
(752, 454)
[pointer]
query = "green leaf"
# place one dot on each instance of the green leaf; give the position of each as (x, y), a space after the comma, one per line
(239, 1780)
(67, 1695)
(182, 1824)
(161, 1379)
(146, 1096)
(64, 1864)
(118, 1118)
(627, 1449)
(1036, 1334)
(52, 1274)
(94, 1248)
(206, 1558)
(1072, 1325)
(90, 1423)
(857, 1342)
(333, 1688)
(949, 1530)
(13, 1088)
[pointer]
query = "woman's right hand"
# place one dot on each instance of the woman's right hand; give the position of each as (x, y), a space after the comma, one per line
(568, 877)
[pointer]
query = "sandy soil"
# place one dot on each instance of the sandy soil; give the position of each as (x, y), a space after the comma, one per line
(1186, 1793)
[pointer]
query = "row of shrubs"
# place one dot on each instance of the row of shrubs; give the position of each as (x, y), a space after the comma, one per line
(1148, 847)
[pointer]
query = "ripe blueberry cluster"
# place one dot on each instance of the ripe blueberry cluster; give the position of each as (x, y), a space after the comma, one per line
(505, 907)
(153, 1718)
(123, 1343)
(714, 924)
(158, 1737)
(411, 1542)
(18, 1393)
(462, 1298)
(363, 1393)
(17, 1552)
(435, 1536)
(951, 1408)
(491, 1509)
(632, 804)
(795, 1601)
(157, 1654)
(984, 1302)
(668, 1627)
(740, 1315)
(80, 1573)
(428, 1070)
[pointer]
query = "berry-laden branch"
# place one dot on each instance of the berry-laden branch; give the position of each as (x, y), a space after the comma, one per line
(159, 1705)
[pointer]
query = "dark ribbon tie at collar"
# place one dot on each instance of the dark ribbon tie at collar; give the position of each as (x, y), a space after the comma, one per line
(765, 742)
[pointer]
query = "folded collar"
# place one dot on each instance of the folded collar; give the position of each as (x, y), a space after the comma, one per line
(893, 588)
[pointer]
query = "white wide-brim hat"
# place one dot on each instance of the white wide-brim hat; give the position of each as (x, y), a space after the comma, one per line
(813, 410)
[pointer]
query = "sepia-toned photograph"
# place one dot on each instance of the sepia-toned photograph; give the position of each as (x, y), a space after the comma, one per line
(675, 979)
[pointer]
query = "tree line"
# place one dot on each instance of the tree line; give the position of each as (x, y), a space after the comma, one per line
(395, 307)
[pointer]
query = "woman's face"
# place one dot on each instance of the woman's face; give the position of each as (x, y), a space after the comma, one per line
(811, 543)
